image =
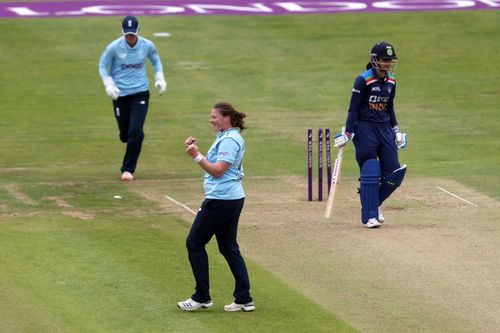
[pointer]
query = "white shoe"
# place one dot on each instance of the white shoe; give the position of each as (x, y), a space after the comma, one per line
(127, 176)
(381, 218)
(190, 305)
(248, 307)
(372, 223)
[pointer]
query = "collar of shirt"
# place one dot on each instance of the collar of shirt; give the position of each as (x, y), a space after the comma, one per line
(221, 133)
(380, 79)
(126, 45)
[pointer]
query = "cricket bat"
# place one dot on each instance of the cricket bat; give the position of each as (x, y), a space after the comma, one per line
(333, 186)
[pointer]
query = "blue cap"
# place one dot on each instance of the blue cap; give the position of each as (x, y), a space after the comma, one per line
(130, 25)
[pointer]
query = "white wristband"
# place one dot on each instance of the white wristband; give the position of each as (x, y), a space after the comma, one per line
(198, 158)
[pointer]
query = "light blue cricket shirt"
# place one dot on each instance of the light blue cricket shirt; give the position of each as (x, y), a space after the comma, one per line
(127, 65)
(229, 147)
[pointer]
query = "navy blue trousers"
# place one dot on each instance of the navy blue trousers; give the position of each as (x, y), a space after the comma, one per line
(376, 141)
(219, 218)
(130, 113)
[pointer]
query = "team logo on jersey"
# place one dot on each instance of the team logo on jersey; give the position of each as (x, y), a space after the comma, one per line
(378, 99)
(355, 90)
(375, 88)
(122, 55)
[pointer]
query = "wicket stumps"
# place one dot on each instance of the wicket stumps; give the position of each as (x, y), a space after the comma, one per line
(320, 162)
(328, 158)
(310, 164)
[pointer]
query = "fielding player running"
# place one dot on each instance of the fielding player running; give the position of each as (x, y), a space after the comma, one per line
(372, 126)
(220, 211)
(127, 84)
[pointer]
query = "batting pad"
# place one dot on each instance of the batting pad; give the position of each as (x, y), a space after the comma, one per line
(369, 190)
(391, 182)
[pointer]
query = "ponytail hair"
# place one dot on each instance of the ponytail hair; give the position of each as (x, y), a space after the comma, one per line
(237, 118)
(369, 65)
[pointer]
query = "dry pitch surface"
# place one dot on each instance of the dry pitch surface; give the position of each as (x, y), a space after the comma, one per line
(433, 266)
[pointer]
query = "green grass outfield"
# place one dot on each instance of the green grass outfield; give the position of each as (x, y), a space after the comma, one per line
(124, 269)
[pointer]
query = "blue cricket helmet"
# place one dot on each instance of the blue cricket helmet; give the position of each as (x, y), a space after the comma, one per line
(385, 51)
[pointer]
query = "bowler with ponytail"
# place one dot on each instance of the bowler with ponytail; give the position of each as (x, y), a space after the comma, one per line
(220, 211)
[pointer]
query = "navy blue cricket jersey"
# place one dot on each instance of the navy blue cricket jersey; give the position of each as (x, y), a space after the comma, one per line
(372, 100)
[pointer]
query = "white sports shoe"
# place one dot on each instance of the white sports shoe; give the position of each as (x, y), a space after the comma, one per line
(248, 307)
(127, 176)
(381, 218)
(190, 305)
(372, 223)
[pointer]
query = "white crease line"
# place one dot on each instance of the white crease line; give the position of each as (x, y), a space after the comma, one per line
(456, 196)
(180, 204)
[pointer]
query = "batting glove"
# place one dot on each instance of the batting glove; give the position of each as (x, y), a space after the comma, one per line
(111, 89)
(401, 141)
(160, 83)
(342, 139)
